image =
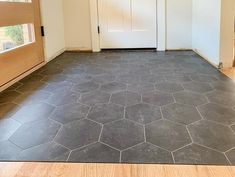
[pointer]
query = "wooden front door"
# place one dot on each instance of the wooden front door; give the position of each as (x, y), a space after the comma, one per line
(21, 44)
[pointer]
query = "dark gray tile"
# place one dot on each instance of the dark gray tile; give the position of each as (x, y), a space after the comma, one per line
(74, 71)
(63, 98)
(58, 86)
(54, 78)
(223, 98)
(86, 87)
(78, 79)
(157, 98)
(169, 87)
(212, 135)
(128, 78)
(190, 98)
(94, 98)
(151, 78)
(203, 78)
(7, 128)
(181, 78)
(14, 86)
(35, 133)
(31, 78)
(7, 110)
(183, 114)
(143, 113)
(105, 78)
(122, 134)
(93, 70)
(218, 113)
(33, 112)
(225, 86)
(78, 134)
(105, 113)
(199, 87)
(195, 154)
(46, 152)
(31, 86)
(113, 87)
(167, 135)
(68, 113)
(231, 156)
(8, 151)
(233, 127)
(125, 98)
(95, 153)
(141, 87)
(30, 97)
(146, 153)
(8, 96)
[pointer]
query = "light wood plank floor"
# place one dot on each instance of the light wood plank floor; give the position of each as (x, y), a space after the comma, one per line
(111, 170)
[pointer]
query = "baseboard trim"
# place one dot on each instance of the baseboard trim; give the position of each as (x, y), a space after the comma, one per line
(77, 49)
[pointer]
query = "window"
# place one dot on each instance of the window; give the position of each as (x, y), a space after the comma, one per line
(16, 36)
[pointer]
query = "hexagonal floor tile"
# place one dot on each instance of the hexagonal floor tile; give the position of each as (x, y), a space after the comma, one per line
(218, 113)
(7, 110)
(222, 98)
(33, 112)
(86, 87)
(55, 78)
(157, 98)
(195, 154)
(225, 86)
(93, 70)
(8, 151)
(95, 153)
(78, 134)
(35, 133)
(8, 96)
(46, 152)
(68, 113)
(181, 78)
(105, 113)
(143, 113)
(169, 87)
(63, 98)
(146, 153)
(55, 87)
(190, 98)
(141, 87)
(198, 87)
(125, 98)
(95, 97)
(212, 135)
(32, 86)
(183, 114)
(231, 156)
(151, 78)
(8, 128)
(233, 127)
(113, 87)
(128, 78)
(122, 134)
(203, 78)
(167, 135)
(104, 78)
(30, 97)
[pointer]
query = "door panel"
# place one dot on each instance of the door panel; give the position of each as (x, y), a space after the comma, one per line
(21, 45)
(127, 23)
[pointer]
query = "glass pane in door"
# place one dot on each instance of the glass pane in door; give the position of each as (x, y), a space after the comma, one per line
(16, 36)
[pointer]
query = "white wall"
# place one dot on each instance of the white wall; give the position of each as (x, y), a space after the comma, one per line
(78, 29)
(77, 24)
(53, 22)
(206, 29)
(179, 24)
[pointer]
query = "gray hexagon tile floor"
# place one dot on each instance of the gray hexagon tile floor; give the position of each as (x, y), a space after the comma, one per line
(117, 106)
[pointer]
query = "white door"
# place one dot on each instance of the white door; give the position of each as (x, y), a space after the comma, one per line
(127, 23)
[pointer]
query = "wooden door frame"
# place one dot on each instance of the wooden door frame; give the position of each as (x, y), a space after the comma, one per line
(161, 25)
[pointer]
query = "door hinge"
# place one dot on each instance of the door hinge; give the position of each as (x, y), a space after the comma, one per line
(42, 31)
(98, 29)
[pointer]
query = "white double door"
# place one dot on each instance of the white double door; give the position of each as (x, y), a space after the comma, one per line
(127, 23)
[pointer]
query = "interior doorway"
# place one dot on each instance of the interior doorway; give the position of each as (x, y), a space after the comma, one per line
(21, 44)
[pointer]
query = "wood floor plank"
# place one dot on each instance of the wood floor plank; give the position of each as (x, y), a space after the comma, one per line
(111, 170)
